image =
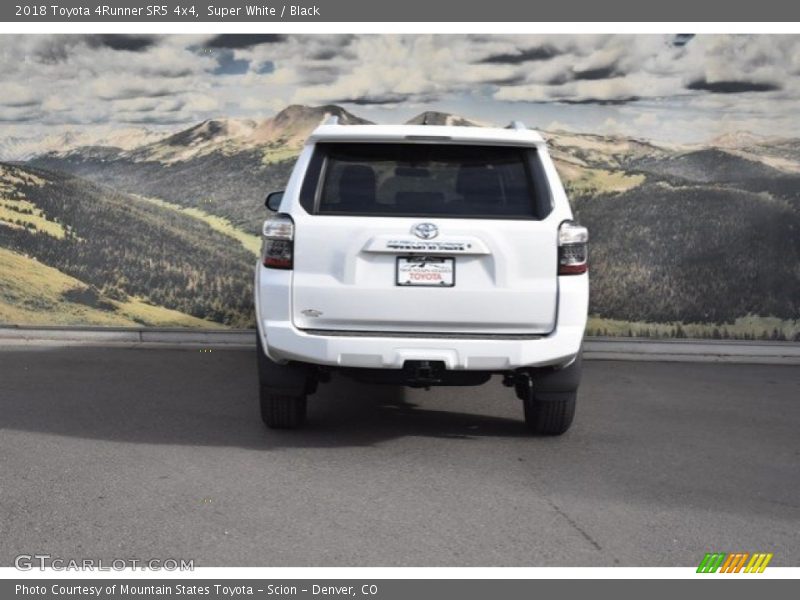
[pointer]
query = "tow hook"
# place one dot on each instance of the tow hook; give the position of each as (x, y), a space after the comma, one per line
(424, 373)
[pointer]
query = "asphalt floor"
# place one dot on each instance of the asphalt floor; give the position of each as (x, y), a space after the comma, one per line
(145, 453)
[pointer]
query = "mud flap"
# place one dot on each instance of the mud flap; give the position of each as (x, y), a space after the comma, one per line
(292, 379)
(562, 380)
(549, 384)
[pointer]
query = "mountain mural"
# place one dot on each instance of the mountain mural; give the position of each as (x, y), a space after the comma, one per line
(691, 240)
(222, 166)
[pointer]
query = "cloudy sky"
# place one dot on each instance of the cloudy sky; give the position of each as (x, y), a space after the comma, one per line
(669, 88)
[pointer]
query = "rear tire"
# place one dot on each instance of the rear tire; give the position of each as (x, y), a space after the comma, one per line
(548, 397)
(549, 413)
(279, 411)
(282, 391)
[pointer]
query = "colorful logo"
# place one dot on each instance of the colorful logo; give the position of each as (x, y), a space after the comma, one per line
(734, 562)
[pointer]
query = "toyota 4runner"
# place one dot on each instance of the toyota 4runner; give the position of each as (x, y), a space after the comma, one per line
(422, 256)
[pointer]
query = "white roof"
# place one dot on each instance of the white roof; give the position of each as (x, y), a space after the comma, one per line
(426, 133)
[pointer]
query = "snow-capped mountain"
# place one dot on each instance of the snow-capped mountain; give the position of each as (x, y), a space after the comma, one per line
(21, 148)
(275, 138)
(432, 117)
(738, 139)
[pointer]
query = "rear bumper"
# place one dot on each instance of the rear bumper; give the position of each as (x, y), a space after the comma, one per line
(287, 343)
(283, 341)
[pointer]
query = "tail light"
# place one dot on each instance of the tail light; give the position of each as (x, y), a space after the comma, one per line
(277, 247)
(572, 249)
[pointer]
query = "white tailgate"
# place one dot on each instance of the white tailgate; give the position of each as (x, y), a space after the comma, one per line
(504, 282)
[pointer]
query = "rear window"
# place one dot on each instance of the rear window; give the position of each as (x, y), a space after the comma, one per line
(426, 180)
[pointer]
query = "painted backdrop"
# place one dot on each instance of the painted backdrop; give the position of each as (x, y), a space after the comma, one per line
(133, 167)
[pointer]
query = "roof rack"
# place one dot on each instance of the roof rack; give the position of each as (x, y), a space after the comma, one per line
(332, 120)
(516, 125)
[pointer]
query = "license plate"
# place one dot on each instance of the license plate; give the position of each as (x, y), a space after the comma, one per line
(432, 271)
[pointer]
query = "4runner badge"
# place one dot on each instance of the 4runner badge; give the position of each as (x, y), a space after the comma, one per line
(426, 231)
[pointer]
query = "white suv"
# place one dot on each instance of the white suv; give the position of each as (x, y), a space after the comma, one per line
(422, 255)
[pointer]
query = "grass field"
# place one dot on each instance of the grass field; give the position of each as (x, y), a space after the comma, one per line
(273, 155)
(585, 180)
(33, 294)
(745, 328)
(11, 212)
(251, 243)
(12, 177)
(16, 210)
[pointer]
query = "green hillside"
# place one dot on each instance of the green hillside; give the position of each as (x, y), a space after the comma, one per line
(128, 248)
(693, 253)
(34, 294)
(250, 242)
(231, 186)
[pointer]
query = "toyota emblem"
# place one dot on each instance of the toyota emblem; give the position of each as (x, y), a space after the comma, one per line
(426, 231)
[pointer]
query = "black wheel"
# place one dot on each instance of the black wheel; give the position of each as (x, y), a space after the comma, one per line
(282, 391)
(549, 413)
(546, 413)
(279, 411)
